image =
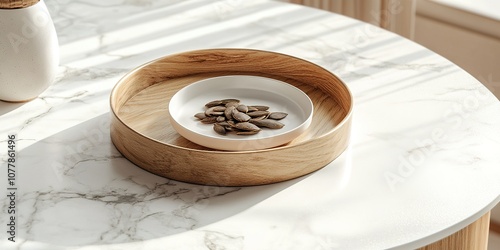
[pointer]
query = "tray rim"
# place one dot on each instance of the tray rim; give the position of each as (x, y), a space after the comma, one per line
(121, 81)
(206, 166)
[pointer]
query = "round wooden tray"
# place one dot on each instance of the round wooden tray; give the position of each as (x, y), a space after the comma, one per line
(141, 131)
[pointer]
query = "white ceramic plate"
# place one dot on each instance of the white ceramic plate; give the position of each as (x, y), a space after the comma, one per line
(250, 90)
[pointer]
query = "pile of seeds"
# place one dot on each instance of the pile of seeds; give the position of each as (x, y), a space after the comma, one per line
(229, 115)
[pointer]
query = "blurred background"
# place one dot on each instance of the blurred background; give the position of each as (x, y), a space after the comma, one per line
(466, 32)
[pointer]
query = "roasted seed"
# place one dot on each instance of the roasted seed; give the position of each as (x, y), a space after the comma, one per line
(215, 111)
(242, 108)
(213, 103)
(210, 119)
(221, 118)
(226, 125)
(232, 104)
(219, 129)
(231, 123)
(260, 107)
(212, 113)
(229, 112)
(259, 117)
(228, 115)
(219, 108)
(277, 115)
(225, 101)
(246, 126)
(200, 116)
(258, 113)
(268, 123)
(240, 116)
(251, 108)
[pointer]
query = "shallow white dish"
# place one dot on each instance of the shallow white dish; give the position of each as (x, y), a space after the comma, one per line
(250, 90)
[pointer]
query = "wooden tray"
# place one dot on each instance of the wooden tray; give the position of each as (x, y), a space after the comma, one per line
(141, 131)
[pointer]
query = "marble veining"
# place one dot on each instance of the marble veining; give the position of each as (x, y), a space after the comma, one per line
(423, 157)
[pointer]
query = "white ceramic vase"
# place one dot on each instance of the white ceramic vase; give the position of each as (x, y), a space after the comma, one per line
(29, 52)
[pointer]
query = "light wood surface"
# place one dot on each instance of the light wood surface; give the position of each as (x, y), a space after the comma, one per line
(472, 237)
(141, 131)
(16, 4)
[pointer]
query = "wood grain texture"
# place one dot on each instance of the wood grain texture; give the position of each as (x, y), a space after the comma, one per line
(474, 236)
(17, 4)
(141, 131)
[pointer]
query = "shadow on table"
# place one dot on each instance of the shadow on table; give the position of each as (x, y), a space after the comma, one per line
(77, 189)
(7, 107)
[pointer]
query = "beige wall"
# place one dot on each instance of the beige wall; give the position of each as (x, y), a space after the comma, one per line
(469, 40)
(394, 15)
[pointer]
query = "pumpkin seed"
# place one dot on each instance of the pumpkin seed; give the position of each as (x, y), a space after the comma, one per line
(224, 123)
(226, 101)
(229, 115)
(215, 111)
(229, 112)
(268, 123)
(242, 108)
(241, 117)
(259, 117)
(277, 115)
(251, 109)
(258, 113)
(213, 103)
(221, 118)
(219, 129)
(200, 116)
(209, 120)
(260, 107)
(246, 126)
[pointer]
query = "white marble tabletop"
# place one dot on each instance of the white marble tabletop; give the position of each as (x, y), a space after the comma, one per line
(424, 160)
